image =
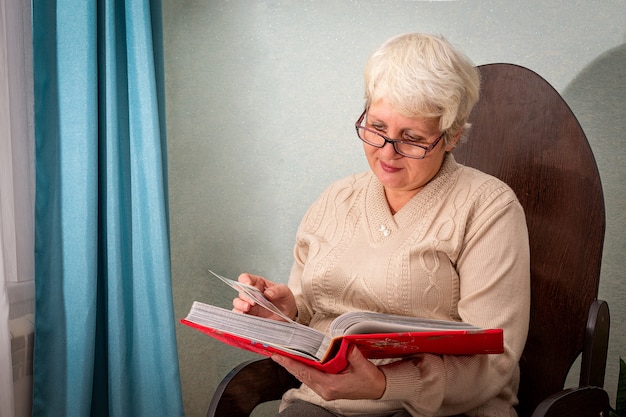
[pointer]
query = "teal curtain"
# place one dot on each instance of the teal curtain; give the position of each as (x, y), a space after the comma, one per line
(104, 333)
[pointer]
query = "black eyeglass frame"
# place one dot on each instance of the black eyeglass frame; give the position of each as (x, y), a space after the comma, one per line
(358, 126)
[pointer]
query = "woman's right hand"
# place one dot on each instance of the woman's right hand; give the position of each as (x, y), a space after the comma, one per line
(279, 294)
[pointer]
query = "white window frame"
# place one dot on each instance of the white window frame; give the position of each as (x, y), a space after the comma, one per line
(17, 188)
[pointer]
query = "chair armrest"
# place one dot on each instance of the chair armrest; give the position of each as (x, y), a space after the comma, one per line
(578, 402)
(596, 344)
(248, 385)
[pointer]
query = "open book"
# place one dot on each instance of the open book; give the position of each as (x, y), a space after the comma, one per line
(377, 335)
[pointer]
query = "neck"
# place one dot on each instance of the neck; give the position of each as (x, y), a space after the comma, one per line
(398, 199)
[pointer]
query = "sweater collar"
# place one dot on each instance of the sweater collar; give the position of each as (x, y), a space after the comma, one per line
(382, 224)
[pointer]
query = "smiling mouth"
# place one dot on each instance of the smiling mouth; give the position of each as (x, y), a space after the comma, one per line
(388, 168)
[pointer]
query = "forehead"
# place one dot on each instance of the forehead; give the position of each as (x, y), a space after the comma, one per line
(385, 113)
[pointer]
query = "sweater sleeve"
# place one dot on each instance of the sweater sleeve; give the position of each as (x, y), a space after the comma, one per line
(300, 252)
(494, 274)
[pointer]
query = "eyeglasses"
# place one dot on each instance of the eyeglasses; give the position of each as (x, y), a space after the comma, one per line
(403, 147)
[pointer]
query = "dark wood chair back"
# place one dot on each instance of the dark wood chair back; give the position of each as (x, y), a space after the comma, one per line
(525, 134)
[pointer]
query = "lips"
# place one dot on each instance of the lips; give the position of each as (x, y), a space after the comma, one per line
(388, 168)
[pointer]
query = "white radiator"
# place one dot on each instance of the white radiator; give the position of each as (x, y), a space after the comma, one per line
(22, 338)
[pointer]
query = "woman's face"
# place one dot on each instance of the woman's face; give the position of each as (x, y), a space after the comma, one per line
(403, 177)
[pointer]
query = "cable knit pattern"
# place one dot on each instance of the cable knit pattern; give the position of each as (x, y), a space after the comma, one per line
(457, 251)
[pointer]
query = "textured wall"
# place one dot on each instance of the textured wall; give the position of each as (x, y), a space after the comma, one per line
(261, 101)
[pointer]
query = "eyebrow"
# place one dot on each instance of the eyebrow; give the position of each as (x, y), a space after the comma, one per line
(416, 137)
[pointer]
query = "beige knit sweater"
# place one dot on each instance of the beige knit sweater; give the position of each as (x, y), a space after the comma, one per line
(457, 251)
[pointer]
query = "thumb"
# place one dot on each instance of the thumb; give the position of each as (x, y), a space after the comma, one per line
(274, 293)
(277, 292)
(355, 356)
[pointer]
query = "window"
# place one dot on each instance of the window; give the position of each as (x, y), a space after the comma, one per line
(16, 155)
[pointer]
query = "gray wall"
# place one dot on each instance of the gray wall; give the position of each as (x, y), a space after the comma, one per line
(261, 102)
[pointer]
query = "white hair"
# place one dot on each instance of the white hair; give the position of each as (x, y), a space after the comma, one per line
(422, 75)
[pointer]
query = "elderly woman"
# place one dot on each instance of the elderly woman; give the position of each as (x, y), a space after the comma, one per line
(418, 235)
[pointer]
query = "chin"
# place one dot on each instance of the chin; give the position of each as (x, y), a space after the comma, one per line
(392, 185)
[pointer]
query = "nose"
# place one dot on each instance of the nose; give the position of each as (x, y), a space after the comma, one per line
(389, 151)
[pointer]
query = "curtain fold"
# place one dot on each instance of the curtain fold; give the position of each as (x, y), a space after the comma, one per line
(104, 331)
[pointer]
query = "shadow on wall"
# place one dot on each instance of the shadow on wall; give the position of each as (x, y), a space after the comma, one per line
(598, 98)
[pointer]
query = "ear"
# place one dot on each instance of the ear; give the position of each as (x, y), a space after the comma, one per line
(453, 141)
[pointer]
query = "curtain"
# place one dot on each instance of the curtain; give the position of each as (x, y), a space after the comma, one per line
(16, 209)
(104, 331)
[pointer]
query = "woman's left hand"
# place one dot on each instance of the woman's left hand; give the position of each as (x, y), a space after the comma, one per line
(360, 380)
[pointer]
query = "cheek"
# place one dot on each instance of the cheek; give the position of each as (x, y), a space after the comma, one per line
(424, 169)
(369, 151)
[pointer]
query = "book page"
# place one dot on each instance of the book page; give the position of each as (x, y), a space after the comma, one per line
(363, 322)
(297, 339)
(255, 295)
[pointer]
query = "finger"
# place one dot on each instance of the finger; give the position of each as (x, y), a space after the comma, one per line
(277, 292)
(244, 297)
(241, 305)
(270, 293)
(301, 372)
(355, 355)
(315, 379)
(254, 280)
(356, 359)
(246, 278)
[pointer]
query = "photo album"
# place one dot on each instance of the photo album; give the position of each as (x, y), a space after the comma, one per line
(377, 335)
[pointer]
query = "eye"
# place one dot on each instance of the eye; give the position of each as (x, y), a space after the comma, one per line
(379, 128)
(409, 138)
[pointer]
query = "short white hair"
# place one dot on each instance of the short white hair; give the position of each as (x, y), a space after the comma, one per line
(422, 75)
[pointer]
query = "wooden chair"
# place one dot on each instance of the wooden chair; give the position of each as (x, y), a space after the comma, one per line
(524, 133)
